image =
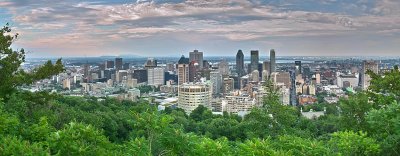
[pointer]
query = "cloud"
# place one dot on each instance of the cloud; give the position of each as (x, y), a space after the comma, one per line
(96, 23)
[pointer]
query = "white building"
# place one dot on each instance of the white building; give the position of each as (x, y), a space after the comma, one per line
(344, 81)
(190, 96)
(365, 78)
(216, 82)
(155, 76)
(236, 104)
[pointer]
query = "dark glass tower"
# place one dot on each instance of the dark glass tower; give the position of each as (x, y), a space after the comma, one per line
(118, 64)
(254, 60)
(272, 61)
(240, 63)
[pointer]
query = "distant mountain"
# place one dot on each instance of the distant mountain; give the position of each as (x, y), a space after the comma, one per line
(123, 56)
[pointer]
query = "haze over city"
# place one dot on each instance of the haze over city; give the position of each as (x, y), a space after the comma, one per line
(72, 28)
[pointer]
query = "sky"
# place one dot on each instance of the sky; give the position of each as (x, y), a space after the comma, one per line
(70, 28)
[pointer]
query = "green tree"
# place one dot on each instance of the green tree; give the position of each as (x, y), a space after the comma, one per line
(353, 112)
(201, 113)
(260, 147)
(384, 125)
(79, 139)
(12, 145)
(352, 143)
(385, 88)
(12, 75)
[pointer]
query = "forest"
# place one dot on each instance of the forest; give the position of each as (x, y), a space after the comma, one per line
(43, 123)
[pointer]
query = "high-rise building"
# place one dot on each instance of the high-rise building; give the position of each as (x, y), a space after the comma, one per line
(196, 56)
(240, 63)
(183, 73)
(281, 77)
(170, 67)
(193, 69)
(266, 66)
(86, 68)
(216, 81)
(126, 66)
(365, 78)
(297, 65)
(272, 61)
(183, 70)
(255, 76)
(121, 75)
(67, 83)
(254, 60)
(118, 63)
(223, 67)
(190, 96)
(109, 64)
(228, 85)
(140, 75)
(155, 76)
(150, 63)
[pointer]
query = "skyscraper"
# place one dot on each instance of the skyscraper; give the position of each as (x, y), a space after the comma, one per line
(196, 56)
(150, 63)
(272, 61)
(223, 67)
(365, 78)
(240, 63)
(118, 63)
(109, 64)
(183, 73)
(183, 70)
(216, 81)
(254, 60)
(297, 65)
(155, 76)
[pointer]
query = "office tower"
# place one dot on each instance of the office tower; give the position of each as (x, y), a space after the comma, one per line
(190, 96)
(150, 63)
(216, 82)
(317, 78)
(155, 76)
(109, 64)
(67, 83)
(254, 60)
(228, 85)
(140, 75)
(264, 75)
(102, 66)
(196, 56)
(365, 78)
(121, 75)
(183, 73)
(266, 66)
(206, 64)
(240, 63)
(306, 72)
(86, 68)
(183, 70)
(223, 67)
(297, 65)
(272, 61)
(118, 63)
(126, 66)
(193, 68)
(293, 93)
(170, 67)
(281, 77)
(255, 76)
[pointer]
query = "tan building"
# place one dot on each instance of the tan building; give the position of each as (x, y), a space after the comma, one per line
(190, 96)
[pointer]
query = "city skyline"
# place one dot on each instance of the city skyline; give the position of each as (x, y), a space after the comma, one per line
(218, 28)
